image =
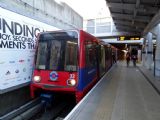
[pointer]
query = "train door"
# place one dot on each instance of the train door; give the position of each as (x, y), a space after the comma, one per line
(108, 57)
(98, 59)
(91, 60)
(102, 60)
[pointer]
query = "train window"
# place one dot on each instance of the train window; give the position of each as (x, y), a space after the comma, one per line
(102, 61)
(71, 56)
(107, 53)
(42, 55)
(55, 51)
(90, 54)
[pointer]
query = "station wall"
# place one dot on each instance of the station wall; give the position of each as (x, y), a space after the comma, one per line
(47, 11)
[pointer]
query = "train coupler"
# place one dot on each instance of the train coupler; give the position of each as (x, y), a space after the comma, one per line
(47, 100)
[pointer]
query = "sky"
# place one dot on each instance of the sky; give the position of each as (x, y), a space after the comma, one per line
(88, 8)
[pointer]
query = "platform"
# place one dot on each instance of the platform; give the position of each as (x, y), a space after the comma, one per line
(123, 93)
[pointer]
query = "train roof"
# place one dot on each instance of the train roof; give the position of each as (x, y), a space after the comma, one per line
(84, 32)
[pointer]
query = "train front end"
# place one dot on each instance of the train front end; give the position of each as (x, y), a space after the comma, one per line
(56, 63)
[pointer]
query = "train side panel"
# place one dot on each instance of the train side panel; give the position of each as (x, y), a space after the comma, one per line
(88, 72)
(108, 54)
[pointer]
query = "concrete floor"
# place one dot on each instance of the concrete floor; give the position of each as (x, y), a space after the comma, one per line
(123, 94)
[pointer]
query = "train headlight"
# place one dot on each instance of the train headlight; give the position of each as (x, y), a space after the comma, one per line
(71, 82)
(36, 78)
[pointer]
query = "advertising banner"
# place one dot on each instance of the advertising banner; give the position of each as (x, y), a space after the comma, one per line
(17, 47)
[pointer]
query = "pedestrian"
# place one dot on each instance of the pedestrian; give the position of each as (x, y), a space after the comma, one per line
(134, 59)
(134, 56)
(128, 58)
(113, 58)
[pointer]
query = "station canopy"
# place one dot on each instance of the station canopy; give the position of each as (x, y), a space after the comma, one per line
(133, 16)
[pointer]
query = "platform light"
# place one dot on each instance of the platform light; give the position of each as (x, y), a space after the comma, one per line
(122, 37)
(36, 78)
(125, 51)
(71, 82)
(137, 38)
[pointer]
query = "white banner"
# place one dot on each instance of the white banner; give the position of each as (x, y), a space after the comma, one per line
(17, 47)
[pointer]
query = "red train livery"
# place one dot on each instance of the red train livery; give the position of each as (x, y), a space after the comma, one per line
(70, 61)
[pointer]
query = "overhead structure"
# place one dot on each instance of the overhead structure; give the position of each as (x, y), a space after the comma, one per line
(132, 16)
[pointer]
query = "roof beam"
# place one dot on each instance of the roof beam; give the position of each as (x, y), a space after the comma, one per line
(130, 17)
(155, 21)
(121, 6)
(137, 3)
(135, 10)
(148, 9)
(129, 28)
(139, 24)
(131, 7)
(129, 24)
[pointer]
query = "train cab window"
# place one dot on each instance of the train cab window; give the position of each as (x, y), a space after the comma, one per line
(71, 56)
(55, 51)
(90, 54)
(41, 56)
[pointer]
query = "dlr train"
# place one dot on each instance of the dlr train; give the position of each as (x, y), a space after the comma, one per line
(70, 61)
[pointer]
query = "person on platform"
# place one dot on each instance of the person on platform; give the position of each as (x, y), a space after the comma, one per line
(134, 56)
(128, 58)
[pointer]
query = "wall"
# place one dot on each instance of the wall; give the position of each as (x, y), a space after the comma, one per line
(47, 11)
(13, 99)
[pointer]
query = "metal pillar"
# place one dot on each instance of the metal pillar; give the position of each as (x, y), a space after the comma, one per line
(149, 60)
(144, 52)
(157, 54)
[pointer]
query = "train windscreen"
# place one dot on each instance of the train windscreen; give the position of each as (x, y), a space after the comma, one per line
(57, 51)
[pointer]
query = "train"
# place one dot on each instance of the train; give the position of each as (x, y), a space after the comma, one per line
(70, 61)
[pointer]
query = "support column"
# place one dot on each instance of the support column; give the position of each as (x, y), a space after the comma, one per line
(149, 60)
(157, 54)
(144, 52)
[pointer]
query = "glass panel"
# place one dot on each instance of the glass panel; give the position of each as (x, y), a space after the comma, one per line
(71, 56)
(55, 54)
(91, 22)
(90, 54)
(103, 21)
(42, 56)
(103, 57)
(103, 24)
(90, 30)
(57, 51)
(114, 28)
(103, 29)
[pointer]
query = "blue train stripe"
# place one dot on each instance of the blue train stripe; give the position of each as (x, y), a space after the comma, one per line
(86, 76)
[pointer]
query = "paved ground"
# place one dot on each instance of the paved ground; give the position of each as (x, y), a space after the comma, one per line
(123, 94)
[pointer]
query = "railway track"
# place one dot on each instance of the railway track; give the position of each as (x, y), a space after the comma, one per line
(57, 110)
(56, 113)
(39, 110)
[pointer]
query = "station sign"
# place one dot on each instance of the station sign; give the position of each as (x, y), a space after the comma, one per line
(122, 38)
